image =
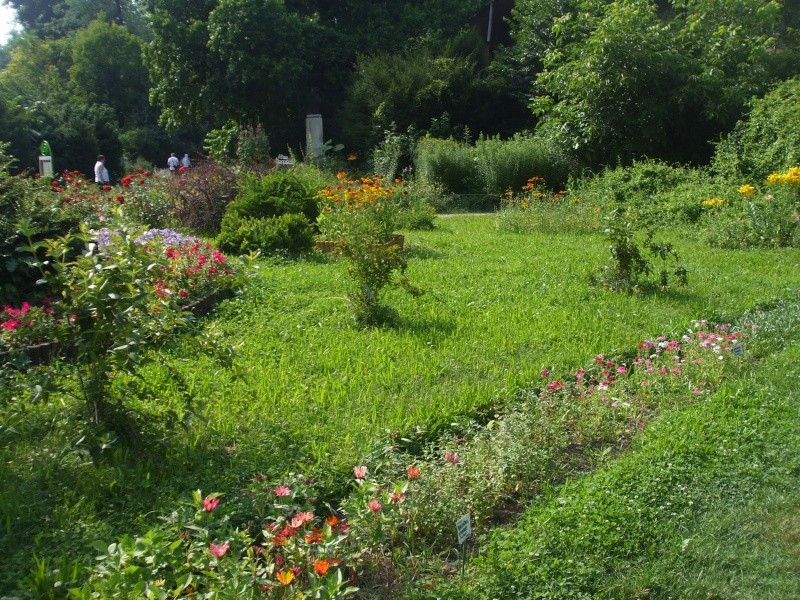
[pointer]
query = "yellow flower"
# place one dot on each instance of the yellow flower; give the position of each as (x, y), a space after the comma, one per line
(747, 190)
(285, 577)
(712, 202)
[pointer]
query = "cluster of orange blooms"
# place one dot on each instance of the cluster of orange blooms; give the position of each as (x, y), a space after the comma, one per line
(531, 192)
(356, 193)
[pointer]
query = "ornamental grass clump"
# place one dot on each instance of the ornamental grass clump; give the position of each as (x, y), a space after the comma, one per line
(360, 217)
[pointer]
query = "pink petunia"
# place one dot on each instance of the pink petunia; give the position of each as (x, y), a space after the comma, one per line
(219, 550)
(210, 503)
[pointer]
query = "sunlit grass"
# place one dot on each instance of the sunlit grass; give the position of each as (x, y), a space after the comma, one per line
(310, 391)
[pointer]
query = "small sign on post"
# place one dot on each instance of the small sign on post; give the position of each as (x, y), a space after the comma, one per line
(283, 161)
(464, 531)
(738, 350)
(464, 528)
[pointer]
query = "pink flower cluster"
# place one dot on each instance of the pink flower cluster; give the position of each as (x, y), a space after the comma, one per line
(658, 357)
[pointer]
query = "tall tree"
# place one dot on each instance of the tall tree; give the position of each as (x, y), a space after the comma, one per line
(619, 79)
(107, 68)
(57, 18)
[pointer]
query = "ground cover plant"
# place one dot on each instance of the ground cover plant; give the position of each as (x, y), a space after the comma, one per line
(309, 391)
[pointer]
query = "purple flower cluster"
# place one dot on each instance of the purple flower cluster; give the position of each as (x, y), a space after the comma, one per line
(167, 237)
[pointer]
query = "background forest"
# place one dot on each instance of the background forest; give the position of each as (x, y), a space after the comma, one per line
(606, 82)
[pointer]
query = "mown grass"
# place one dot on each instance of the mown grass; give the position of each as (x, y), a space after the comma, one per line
(703, 506)
(309, 391)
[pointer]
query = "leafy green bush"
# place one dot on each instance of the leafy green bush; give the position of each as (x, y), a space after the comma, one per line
(654, 191)
(276, 194)
(274, 212)
(768, 139)
(492, 166)
(630, 269)
(290, 232)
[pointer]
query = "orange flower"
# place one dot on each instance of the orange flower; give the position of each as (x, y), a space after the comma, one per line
(284, 577)
(321, 567)
(413, 472)
(333, 520)
(314, 538)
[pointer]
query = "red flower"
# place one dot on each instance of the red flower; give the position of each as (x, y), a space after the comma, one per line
(10, 325)
(375, 505)
(106, 188)
(210, 503)
(183, 294)
(413, 472)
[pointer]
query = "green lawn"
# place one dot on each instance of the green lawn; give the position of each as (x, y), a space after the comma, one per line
(308, 391)
(704, 505)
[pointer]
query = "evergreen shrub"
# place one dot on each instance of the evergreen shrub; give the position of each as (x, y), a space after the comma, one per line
(270, 213)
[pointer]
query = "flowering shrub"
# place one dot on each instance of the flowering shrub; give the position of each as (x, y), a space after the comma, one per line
(360, 216)
(27, 325)
(363, 207)
(291, 553)
(200, 196)
(754, 219)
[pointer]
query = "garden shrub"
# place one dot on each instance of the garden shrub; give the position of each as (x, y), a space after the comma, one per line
(768, 139)
(394, 154)
(630, 269)
(276, 194)
(430, 193)
(241, 235)
(201, 195)
(274, 212)
(655, 191)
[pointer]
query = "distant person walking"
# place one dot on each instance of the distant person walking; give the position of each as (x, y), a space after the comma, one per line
(186, 162)
(173, 163)
(99, 167)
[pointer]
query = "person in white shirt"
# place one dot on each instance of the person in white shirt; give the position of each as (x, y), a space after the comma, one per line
(99, 167)
(172, 163)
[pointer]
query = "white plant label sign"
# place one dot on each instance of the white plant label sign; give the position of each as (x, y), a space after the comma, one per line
(464, 528)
